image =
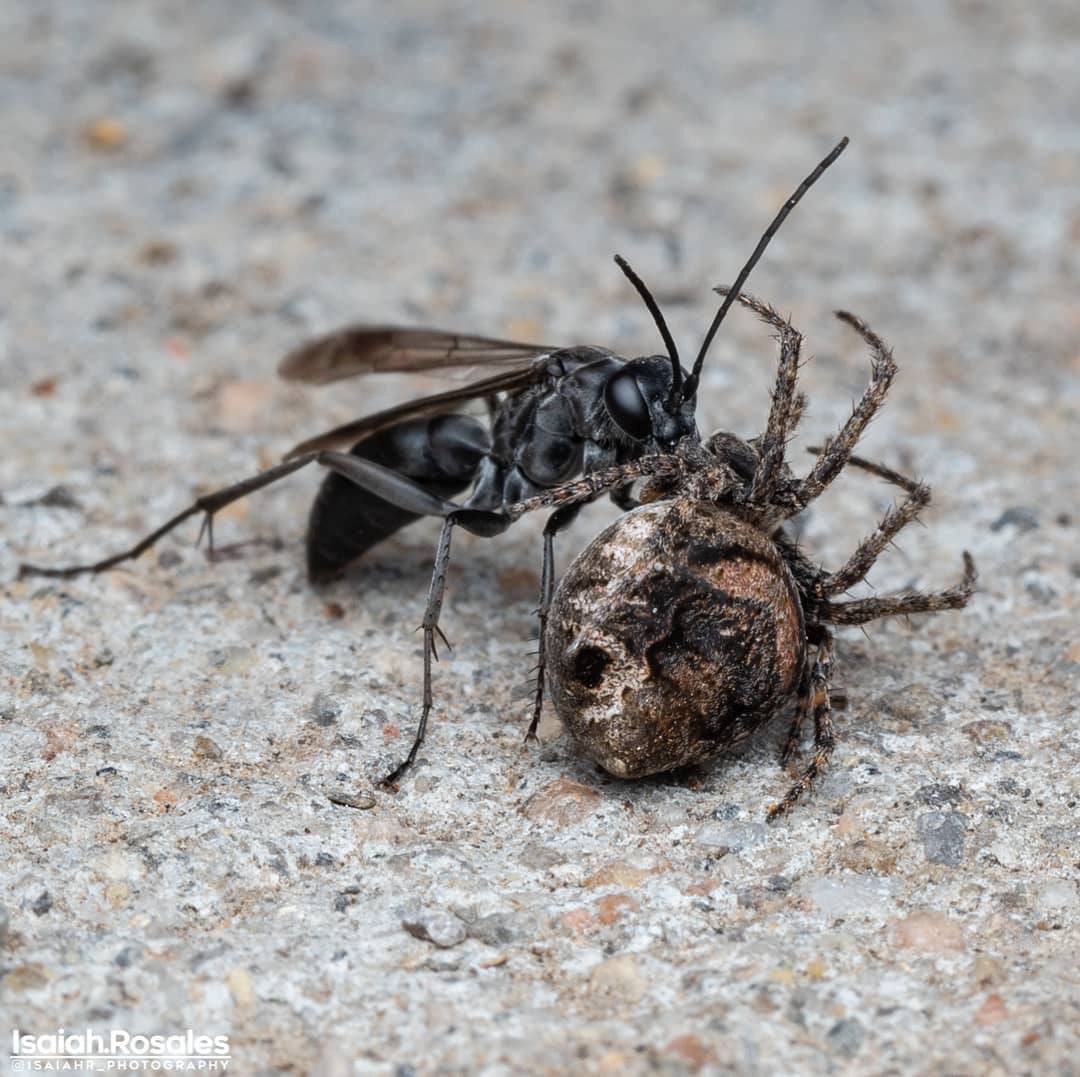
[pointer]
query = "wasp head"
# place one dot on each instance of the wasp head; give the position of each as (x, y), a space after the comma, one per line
(641, 402)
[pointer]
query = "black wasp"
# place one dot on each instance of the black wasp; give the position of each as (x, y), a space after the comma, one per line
(555, 413)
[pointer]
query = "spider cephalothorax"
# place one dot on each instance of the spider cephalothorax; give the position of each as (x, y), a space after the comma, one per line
(688, 623)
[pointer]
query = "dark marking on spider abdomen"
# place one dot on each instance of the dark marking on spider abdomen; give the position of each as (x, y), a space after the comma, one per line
(675, 634)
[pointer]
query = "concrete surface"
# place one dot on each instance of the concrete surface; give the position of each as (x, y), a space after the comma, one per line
(185, 192)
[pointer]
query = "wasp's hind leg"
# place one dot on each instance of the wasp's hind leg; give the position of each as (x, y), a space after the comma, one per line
(441, 455)
(208, 505)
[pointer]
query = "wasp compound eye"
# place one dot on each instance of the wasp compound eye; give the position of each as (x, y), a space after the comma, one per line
(626, 406)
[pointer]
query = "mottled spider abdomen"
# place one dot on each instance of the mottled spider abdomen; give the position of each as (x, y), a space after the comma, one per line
(676, 633)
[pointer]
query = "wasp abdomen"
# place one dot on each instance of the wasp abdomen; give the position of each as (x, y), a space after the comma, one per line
(676, 633)
(440, 454)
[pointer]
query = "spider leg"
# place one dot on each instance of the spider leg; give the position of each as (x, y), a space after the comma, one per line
(559, 519)
(821, 584)
(824, 741)
(787, 406)
(837, 452)
(871, 547)
(802, 709)
(659, 465)
(861, 610)
(882, 472)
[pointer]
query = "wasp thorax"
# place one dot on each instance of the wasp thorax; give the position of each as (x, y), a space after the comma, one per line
(675, 633)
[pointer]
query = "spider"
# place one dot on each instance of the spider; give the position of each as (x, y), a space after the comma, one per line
(694, 618)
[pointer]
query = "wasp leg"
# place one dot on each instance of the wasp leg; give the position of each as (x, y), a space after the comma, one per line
(209, 504)
(824, 741)
(622, 497)
(377, 480)
(479, 522)
(559, 519)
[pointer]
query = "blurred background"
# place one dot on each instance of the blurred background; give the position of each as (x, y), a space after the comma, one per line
(220, 181)
(188, 190)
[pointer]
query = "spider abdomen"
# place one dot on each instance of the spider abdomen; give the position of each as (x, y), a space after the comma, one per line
(676, 633)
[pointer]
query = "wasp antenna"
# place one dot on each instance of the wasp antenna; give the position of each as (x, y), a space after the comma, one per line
(658, 317)
(691, 384)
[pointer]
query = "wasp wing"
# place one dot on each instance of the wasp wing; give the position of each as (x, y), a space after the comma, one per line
(372, 349)
(438, 404)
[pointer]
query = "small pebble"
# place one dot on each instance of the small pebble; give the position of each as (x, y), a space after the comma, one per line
(620, 976)
(1057, 895)
(324, 710)
(869, 857)
(992, 1010)
(846, 1036)
(360, 801)
(498, 929)
(912, 706)
(732, 836)
(625, 874)
(59, 497)
(105, 133)
(242, 988)
(437, 926)
(31, 976)
(206, 748)
(1019, 516)
(942, 836)
(693, 1050)
(843, 896)
(931, 932)
(242, 405)
(44, 387)
(987, 731)
(562, 803)
(935, 796)
(612, 907)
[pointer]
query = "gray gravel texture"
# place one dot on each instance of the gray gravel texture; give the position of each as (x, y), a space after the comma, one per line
(187, 190)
